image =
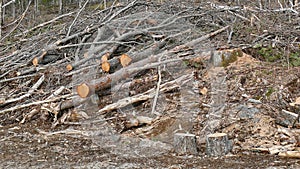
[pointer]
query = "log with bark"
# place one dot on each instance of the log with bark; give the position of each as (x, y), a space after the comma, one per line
(87, 88)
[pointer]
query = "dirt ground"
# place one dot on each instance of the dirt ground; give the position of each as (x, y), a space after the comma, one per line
(23, 147)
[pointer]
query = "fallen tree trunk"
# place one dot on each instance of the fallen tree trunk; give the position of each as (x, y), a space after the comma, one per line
(115, 61)
(86, 89)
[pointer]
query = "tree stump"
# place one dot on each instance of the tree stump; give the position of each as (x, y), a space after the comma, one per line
(185, 143)
(217, 144)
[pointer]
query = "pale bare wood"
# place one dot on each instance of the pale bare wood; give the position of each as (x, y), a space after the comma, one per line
(105, 66)
(1, 19)
(290, 154)
(83, 90)
(287, 119)
(66, 131)
(57, 92)
(21, 106)
(125, 60)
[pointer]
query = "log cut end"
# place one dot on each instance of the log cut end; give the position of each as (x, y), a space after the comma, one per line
(217, 144)
(83, 90)
(35, 61)
(125, 60)
(69, 67)
(105, 66)
(104, 58)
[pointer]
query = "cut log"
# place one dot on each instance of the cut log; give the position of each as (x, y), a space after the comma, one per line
(217, 144)
(105, 57)
(112, 79)
(105, 66)
(103, 47)
(27, 71)
(83, 90)
(185, 143)
(69, 67)
(44, 59)
(125, 60)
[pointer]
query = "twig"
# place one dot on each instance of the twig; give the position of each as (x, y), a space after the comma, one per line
(34, 103)
(240, 16)
(29, 115)
(202, 38)
(8, 3)
(56, 92)
(15, 78)
(69, 31)
(157, 87)
(45, 23)
(1, 19)
(90, 122)
(230, 36)
(67, 131)
(33, 88)
(23, 15)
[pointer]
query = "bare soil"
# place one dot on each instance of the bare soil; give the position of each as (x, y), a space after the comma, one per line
(23, 147)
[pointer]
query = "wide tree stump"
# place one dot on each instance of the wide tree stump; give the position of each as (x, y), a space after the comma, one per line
(217, 144)
(185, 143)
